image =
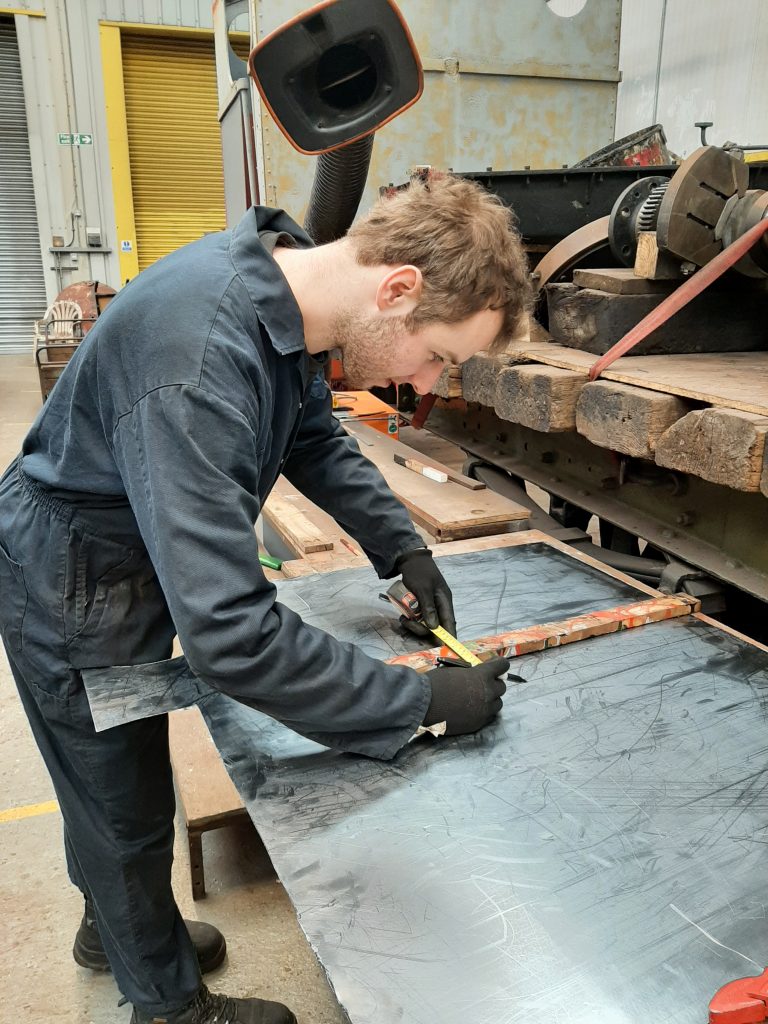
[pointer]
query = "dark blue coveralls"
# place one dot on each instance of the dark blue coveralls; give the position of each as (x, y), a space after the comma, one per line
(128, 518)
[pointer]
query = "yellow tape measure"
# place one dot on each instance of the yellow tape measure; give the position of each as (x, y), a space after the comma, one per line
(456, 646)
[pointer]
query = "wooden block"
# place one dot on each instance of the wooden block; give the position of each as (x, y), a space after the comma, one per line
(724, 320)
(207, 793)
(724, 446)
(287, 515)
(478, 379)
(540, 397)
(653, 264)
(448, 384)
(620, 281)
(626, 419)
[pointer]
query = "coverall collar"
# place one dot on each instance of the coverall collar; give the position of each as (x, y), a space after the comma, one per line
(272, 299)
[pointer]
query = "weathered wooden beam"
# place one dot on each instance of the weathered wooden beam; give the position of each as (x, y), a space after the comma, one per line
(724, 446)
(626, 419)
(540, 397)
(448, 384)
(478, 377)
(719, 320)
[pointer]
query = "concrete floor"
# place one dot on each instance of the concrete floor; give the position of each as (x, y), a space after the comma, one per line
(39, 981)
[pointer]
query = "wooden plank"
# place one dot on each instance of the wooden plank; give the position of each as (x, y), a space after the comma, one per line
(557, 634)
(208, 795)
(405, 450)
(446, 511)
(340, 550)
(724, 446)
(736, 380)
(718, 320)
(540, 397)
(287, 514)
(620, 281)
(626, 419)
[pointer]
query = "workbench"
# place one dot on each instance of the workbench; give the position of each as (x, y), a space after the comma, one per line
(590, 856)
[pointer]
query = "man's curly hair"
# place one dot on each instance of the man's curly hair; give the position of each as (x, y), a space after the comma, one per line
(465, 243)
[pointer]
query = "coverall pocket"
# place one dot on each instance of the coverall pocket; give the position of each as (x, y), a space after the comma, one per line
(93, 567)
(13, 601)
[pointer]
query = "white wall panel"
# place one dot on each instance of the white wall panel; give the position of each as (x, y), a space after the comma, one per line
(713, 67)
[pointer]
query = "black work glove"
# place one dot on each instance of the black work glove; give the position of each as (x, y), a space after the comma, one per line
(425, 581)
(466, 699)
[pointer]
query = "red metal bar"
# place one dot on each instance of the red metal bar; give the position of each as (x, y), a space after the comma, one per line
(673, 303)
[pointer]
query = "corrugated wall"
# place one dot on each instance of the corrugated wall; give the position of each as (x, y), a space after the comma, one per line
(507, 84)
(684, 61)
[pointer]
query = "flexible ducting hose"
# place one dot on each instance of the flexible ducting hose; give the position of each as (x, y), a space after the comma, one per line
(340, 178)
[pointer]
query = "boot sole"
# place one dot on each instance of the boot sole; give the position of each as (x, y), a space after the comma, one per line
(97, 961)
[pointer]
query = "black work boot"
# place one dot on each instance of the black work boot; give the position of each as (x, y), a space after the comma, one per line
(207, 1008)
(210, 945)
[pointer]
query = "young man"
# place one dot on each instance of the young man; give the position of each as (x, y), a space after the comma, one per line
(128, 518)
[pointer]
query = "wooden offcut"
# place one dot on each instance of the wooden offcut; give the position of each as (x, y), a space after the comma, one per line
(540, 397)
(287, 512)
(724, 446)
(653, 263)
(334, 548)
(620, 281)
(626, 419)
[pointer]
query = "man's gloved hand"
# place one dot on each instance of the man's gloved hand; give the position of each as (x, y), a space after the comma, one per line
(466, 699)
(425, 581)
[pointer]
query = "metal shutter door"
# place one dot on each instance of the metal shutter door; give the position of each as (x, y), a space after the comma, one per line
(22, 286)
(174, 141)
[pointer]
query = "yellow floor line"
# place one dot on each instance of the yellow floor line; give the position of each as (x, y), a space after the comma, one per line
(30, 811)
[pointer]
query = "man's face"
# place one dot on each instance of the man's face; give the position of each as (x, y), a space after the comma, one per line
(379, 350)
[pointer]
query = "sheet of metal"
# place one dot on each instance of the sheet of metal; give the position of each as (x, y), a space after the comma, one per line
(590, 856)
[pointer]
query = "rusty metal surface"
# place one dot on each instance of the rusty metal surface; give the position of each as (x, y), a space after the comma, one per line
(515, 86)
(694, 202)
(91, 296)
(567, 254)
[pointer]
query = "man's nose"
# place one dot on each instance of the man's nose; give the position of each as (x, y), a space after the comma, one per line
(423, 380)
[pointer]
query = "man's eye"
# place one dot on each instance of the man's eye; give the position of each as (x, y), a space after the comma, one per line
(436, 358)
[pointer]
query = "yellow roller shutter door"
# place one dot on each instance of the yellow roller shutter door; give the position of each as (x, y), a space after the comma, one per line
(173, 141)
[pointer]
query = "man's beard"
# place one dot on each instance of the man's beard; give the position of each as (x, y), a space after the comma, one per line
(368, 346)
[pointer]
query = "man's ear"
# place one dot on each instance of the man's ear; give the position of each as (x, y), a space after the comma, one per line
(399, 290)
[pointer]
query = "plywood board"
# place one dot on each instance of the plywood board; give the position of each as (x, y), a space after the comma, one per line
(736, 380)
(446, 510)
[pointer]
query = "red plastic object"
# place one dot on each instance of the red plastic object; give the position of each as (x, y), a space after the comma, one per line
(744, 1001)
(673, 303)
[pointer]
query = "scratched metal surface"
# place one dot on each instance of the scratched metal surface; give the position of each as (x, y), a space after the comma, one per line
(563, 866)
(494, 590)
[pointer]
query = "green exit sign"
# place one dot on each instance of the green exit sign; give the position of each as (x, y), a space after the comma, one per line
(76, 139)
